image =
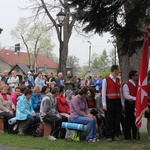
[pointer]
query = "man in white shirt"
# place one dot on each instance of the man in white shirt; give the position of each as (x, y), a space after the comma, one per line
(129, 93)
(13, 80)
(111, 101)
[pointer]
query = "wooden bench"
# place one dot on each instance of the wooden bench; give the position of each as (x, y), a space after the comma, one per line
(20, 124)
(1, 124)
(47, 129)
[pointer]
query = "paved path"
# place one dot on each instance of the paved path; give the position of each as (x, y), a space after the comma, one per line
(4, 147)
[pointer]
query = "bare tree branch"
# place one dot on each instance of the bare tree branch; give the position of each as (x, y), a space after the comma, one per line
(28, 52)
(51, 18)
(61, 2)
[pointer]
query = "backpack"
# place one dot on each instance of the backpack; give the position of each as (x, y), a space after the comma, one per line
(69, 134)
(72, 135)
(39, 130)
(75, 137)
(13, 129)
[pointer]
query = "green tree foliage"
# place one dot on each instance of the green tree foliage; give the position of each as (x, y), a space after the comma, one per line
(104, 61)
(106, 73)
(126, 20)
(112, 56)
(46, 49)
(82, 71)
(98, 15)
(95, 61)
(100, 62)
(123, 18)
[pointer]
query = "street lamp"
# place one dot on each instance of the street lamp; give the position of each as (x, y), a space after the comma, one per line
(1, 30)
(60, 16)
(89, 53)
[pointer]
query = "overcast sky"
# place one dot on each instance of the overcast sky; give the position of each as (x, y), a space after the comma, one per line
(10, 14)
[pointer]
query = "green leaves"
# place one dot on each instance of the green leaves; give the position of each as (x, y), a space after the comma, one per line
(125, 19)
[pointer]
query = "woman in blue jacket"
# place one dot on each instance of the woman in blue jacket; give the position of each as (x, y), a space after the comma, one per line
(24, 111)
(36, 99)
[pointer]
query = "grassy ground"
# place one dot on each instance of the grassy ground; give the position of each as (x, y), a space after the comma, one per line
(45, 144)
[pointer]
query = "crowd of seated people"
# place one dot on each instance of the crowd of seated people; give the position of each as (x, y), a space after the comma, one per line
(43, 98)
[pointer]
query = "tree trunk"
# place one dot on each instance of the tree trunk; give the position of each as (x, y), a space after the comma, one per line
(67, 30)
(64, 57)
(128, 63)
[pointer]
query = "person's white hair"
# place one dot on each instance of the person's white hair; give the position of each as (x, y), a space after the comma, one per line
(60, 74)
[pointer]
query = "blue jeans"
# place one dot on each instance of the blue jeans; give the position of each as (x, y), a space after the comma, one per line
(30, 121)
(91, 125)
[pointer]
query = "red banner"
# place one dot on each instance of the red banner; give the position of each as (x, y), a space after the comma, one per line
(142, 96)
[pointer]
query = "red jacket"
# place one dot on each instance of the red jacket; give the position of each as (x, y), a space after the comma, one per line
(113, 89)
(62, 105)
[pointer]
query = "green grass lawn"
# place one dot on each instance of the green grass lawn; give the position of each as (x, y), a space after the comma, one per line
(42, 143)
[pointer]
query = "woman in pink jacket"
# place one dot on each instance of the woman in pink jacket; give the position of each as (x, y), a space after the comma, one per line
(15, 95)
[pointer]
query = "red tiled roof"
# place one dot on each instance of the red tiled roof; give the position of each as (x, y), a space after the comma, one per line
(13, 58)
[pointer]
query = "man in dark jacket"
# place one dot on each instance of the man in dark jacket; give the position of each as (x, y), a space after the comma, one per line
(69, 81)
(5, 76)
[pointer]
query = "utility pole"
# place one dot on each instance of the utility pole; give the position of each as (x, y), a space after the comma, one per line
(89, 53)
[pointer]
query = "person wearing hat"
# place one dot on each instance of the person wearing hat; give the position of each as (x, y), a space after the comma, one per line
(69, 95)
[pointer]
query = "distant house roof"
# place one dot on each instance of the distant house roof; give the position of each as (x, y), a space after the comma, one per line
(23, 67)
(92, 72)
(95, 71)
(14, 58)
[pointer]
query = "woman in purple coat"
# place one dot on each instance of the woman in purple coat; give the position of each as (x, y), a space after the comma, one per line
(79, 113)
